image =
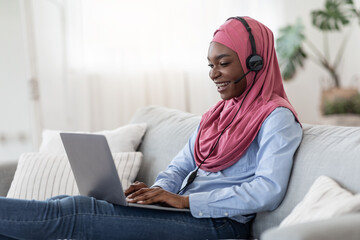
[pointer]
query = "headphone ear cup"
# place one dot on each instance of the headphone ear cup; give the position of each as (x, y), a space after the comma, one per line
(254, 62)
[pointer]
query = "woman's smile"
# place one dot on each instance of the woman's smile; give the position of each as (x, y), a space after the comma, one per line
(222, 86)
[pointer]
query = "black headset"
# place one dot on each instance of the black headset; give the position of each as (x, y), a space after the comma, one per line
(254, 62)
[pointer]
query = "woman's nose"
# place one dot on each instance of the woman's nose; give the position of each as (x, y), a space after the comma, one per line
(214, 74)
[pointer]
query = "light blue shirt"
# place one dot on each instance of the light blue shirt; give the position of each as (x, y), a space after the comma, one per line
(257, 182)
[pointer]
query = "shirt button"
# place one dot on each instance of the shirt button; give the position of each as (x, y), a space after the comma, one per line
(226, 214)
(200, 214)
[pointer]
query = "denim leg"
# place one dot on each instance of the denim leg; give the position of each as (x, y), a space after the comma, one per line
(51, 219)
(86, 218)
(142, 223)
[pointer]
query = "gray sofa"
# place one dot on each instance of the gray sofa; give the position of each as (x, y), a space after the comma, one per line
(325, 150)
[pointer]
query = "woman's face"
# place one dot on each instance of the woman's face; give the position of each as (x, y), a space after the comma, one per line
(225, 68)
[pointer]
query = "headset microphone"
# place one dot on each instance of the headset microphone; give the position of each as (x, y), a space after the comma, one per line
(238, 80)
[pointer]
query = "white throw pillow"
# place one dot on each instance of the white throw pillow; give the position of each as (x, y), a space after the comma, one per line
(123, 139)
(325, 199)
(41, 175)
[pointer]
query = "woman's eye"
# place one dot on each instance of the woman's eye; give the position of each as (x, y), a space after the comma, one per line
(223, 64)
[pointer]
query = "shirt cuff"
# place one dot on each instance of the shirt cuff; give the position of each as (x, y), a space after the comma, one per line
(198, 205)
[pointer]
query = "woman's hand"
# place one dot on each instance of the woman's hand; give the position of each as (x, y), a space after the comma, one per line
(158, 195)
(135, 187)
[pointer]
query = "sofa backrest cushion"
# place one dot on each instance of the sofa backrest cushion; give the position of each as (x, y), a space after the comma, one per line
(325, 150)
(167, 132)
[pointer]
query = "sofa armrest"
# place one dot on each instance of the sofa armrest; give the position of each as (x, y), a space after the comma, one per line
(7, 170)
(343, 227)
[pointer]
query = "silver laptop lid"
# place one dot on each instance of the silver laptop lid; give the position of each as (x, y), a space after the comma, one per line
(93, 166)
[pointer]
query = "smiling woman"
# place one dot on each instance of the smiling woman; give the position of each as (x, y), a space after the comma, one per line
(253, 125)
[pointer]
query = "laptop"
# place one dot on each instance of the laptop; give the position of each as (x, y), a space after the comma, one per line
(94, 169)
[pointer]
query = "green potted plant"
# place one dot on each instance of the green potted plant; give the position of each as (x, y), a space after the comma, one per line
(334, 17)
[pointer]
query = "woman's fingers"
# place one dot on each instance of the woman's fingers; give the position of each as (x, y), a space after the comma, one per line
(158, 195)
(134, 187)
(141, 194)
(148, 196)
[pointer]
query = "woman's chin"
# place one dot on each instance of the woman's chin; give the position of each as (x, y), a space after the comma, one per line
(226, 95)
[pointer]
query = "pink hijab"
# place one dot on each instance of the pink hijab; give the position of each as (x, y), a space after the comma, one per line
(266, 95)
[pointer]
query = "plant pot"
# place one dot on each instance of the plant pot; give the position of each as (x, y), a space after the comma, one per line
(337, 101)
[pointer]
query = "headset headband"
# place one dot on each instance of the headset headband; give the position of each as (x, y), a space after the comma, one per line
(254, 62)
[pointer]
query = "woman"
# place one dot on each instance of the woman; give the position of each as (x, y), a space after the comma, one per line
(237, 162)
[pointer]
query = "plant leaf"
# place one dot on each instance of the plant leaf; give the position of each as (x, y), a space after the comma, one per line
(356, 12)
(289, 49)
(337, 13)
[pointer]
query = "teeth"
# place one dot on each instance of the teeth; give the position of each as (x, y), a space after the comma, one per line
(222, 84)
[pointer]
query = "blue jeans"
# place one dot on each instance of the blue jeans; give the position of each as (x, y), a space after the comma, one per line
(82, 217)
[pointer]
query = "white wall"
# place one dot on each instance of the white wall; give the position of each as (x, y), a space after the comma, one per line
(49, 33)
(14, 95)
